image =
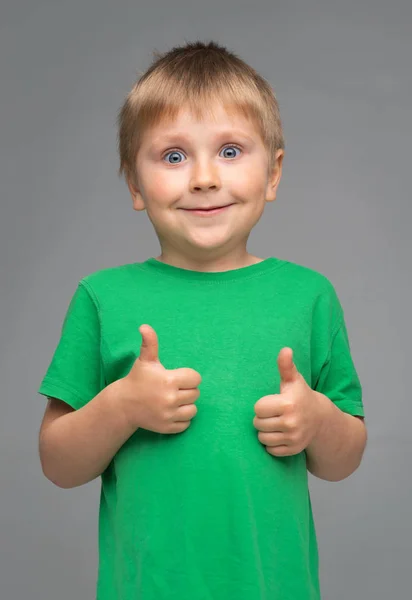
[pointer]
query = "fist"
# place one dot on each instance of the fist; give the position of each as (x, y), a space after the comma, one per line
(156, 398)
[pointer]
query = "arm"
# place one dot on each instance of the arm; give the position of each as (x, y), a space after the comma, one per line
(76, 446)
(337, 450)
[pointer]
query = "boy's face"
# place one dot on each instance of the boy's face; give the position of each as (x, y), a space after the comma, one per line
(191, 164)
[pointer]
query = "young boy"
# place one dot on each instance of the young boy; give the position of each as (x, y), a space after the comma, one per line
(205, 501)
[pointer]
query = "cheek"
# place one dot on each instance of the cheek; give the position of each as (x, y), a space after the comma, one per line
(159, 185)
(248, 182)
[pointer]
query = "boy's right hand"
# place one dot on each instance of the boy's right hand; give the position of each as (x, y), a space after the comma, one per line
(156, 398)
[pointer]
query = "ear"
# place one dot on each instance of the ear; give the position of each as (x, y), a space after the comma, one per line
(137, 198)
(274, 177)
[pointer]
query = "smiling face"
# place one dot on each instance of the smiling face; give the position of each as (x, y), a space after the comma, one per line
(191, 163)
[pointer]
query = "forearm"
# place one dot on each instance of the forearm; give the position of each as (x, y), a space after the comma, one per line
(77, 447)
(337, 450)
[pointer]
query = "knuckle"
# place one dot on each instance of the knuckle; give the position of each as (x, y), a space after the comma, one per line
(168, 417)
(169, 378)
(291, 424)
(288, 406)
(294, 439)
(170, 397)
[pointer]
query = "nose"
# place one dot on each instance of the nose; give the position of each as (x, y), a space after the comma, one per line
(204, 177)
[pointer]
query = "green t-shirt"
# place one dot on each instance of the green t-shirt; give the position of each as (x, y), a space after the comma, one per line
(206, 514)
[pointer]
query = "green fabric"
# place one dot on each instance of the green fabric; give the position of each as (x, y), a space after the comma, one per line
(207, 514)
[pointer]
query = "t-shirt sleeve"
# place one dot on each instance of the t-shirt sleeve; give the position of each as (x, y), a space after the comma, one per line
(338, 378)
(75, 373)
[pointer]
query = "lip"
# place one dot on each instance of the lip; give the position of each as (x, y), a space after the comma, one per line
(207, 213)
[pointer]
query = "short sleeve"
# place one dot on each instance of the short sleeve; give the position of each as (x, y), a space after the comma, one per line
(75, 373)
(338, 378)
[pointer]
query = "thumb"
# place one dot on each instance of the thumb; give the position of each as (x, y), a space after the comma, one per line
(287, 368)
(149, 349)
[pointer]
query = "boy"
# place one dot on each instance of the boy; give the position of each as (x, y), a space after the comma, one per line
(207, 501)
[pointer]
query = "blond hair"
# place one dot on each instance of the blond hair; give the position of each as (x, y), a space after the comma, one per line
(195, 76)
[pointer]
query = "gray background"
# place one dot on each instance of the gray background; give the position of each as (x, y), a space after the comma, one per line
(341, 72)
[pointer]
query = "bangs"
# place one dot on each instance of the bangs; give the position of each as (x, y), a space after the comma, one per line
(161, 101)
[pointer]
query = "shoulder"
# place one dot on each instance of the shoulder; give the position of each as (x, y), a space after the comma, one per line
(306, 277)
(313, 290)
(108, 274)
(109, 279)
(107, 288)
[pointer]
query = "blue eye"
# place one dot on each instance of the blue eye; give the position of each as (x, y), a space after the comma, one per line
(174, 155)
(231, 148)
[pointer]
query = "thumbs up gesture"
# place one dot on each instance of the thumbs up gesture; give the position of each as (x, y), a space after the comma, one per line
(156, 398)
(287, 422)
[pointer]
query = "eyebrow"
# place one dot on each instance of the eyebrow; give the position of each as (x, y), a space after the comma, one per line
(181, 138)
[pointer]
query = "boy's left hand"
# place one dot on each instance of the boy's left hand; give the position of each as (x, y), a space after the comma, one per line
(288, 422)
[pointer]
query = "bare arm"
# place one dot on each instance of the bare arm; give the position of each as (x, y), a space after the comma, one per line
(336, 452)
(76, 446)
